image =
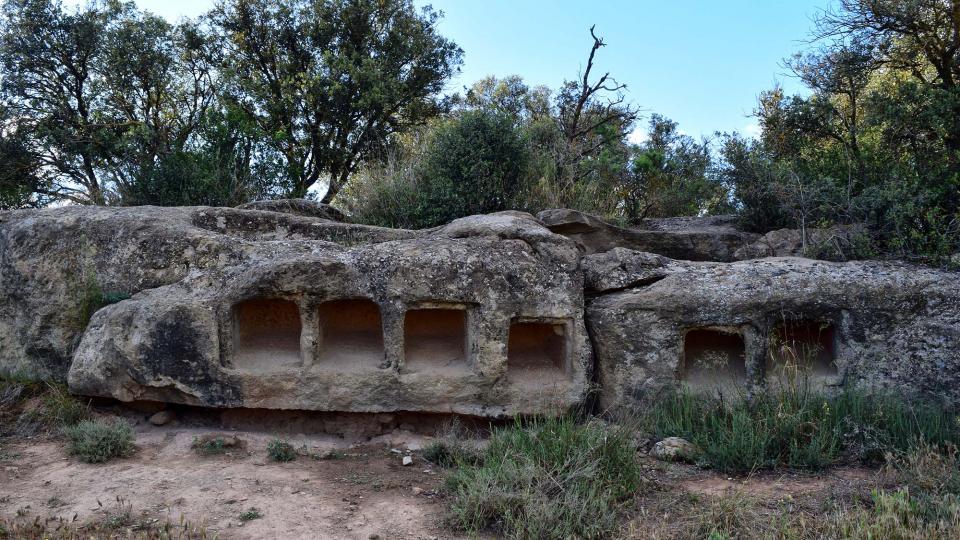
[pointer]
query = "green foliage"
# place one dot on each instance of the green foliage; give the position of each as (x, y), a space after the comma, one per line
(60, 409)
(328, 82)
(450, 452)
(669, 176)
(98, 441)
(798, 428)
(547, 478)
(469, 164)
(472, 166)
(281, 451)
(250, 514)
(876, 141)
(92, 298)
(209, 446)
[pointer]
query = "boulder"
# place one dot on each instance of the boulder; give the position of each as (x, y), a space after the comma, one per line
(693, 239)
(675, 449)
(483, 316)
(161, 418)
(490, 315)
(732, 328)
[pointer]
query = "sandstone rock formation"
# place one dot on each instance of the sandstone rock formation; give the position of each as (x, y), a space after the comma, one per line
(732, 327)
(693, 239)
(241, 308)
(283, 305)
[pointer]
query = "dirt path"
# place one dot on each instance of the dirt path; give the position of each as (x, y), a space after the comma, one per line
(361, 493)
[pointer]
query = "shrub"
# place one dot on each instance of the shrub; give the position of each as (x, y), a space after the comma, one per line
(470, 164)
(799, 428)
(209, 446)
(547, 478)
(97, 441)
(281, 451)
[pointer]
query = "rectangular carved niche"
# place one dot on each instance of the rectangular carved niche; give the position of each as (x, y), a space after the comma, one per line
(351, 335)
(537, 351)
(266, 334)
(713, 358)
(802, 349)
(435, 339)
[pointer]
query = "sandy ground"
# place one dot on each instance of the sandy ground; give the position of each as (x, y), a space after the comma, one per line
(363, 493)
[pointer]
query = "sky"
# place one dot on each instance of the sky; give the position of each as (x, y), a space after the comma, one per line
(701, 63)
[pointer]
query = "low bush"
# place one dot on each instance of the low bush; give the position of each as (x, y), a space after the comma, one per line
(281, 451)
(799, 428)
(209, 446)
(98, 441)
(547, 478)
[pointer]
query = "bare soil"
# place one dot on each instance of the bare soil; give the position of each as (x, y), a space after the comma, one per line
(337, 487)
(360, 492)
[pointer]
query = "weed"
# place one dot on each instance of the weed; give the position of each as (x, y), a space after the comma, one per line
(547, 478)
(97, 441)
(91, 299)
(209, 446)
(799, 428)
(281, 451)
(119, 523)
(250, 514)
(60, 409)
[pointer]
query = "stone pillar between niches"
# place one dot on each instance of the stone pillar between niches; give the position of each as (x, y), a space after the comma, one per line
(392, 318)
(755, 341)
(311, 338)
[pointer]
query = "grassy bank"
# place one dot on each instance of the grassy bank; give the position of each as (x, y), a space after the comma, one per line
(800, 429)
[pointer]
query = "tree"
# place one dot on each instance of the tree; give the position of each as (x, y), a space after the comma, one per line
(668, 176)
(22, 184)
(328, 82)
(593, 118)
(473, 165)
(917, 37)
(104, 95)
(49, 66)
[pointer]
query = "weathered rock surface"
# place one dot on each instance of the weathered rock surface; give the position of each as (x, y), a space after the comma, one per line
(887, 325)
(692, 239)
(829, 244)
(675, 449)
(317, 325)
(297, 207)
(487, 315)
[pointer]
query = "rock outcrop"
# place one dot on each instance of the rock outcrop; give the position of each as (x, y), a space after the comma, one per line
(692, 239)
(734, 327)
(286, 306)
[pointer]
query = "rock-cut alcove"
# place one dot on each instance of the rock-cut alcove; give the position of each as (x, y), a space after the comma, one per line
(351, 335)
(435, 339)
(802, 348)
(266, 334)
(537, 352)
(713, 358)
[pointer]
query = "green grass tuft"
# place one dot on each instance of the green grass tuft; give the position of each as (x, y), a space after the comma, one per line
(281, 451)
(547, 478)
(250, 514)
(98, 441)
(209, 446)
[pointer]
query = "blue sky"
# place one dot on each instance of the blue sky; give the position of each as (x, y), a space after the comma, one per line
(700, 62)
